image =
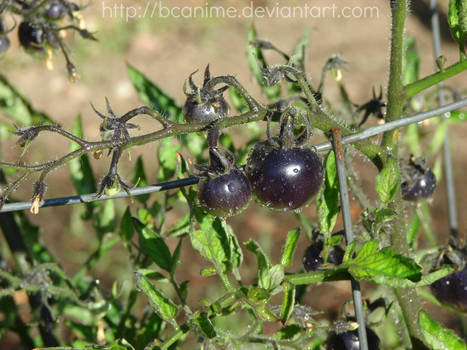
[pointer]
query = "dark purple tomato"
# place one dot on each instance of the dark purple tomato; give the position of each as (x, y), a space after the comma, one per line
(422, 186)
(336, 255)
(56, 10)
(452, 289)
(312, 259)
(195, 111)
(4, 44)
(31, 36)
(225, 195)
(349, 340)
(285, 178)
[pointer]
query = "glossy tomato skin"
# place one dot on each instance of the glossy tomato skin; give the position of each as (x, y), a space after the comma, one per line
(207, 111)
(284, 178)
(225, 195)
(312, 259)
(349, 340)
(422, 186)
(56, 10)
(30, 36)
(452, 289)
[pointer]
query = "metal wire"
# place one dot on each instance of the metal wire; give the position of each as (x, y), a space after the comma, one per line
(345, 204)
(446, 150)
(92, 197)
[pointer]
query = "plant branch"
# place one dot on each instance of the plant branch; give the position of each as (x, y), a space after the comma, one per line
(414, 88)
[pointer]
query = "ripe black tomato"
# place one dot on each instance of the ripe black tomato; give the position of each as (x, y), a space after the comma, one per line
(312, 259)
(56, 10)
(349, 340)
(452, 289)
(31, 36)
(226, 194)
(195, 110)
(284, 178)
(420, 182)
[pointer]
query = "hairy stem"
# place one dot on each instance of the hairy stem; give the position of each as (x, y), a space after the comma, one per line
(407, 298)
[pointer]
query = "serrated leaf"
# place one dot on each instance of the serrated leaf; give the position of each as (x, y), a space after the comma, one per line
(438, 337)
(17, 107)
(388, 180)
(288, 301)
(81, 172)
(410, 61)
(256, 63)
(328, 200)
(201, 320)
(153, 244)
(382, 266)
(154, 96)
(139, 178)
(162, 305)
(289, 247)
(211, 241)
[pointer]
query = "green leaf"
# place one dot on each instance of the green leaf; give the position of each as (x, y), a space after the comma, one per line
(328, 200)
(269, 277)
(167, 155)
(288, 301)
(211, 240)
(237, 100)
(306, 225)
(438, 337)
(202, 321)
(410, 61)
(105, 220)
(120, 344)
(126, 226)
(257, 62)
(80, 169)
(153, 244)
(456, 116)
(154, 96)
(412, 229)
(139, 177)
(298, 58)
(388, 180)
(149, 331)
(438, 139)
(412, 140)
(162, 305)
(382, 266)
(175, 260)
(16, 106)
(288, 249)
(457, 19)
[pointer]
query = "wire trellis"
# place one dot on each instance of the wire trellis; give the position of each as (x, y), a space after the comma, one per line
(326, 146)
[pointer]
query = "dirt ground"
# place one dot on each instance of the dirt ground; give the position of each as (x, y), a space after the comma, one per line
(167, 51)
